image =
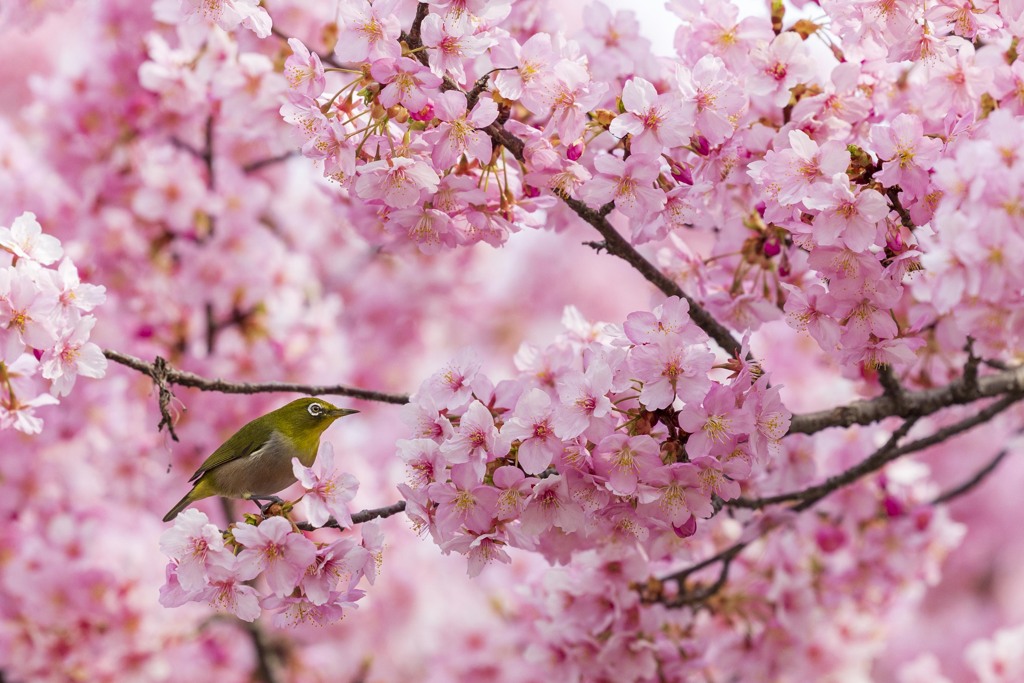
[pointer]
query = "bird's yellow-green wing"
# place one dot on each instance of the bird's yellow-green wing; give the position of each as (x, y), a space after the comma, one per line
(242, 443)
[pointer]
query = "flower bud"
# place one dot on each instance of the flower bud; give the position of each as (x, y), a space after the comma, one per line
(681, 172)
(576, 149)
(425, 114)
(700, 145)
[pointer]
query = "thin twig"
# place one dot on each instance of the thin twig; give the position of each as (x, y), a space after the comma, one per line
(893, 193)
(816, 492)
(968, 485)
(359, 517)
(264, 670)
(254, 166)
(170, 375)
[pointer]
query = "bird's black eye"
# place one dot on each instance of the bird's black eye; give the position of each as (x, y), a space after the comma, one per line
(315, 409)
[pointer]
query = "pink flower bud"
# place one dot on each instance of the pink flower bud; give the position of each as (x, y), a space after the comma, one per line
(893, 507)
(689, 528)
(700, 145)
(681, 172)
(830, 538)
(894, 239)
(576, 149)
(772, 247)
(425, 114)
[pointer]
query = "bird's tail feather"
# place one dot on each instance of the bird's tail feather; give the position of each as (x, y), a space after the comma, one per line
(198, 492)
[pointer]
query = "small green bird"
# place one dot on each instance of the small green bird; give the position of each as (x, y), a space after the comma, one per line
(256, 461)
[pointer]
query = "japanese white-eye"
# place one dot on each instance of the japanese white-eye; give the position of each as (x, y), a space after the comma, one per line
(257, 460)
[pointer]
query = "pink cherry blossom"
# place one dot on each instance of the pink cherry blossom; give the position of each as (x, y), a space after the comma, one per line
(479, 549)
(654, 122)
(399, 182)
(423, 460)
(25, 311)
(304, 71)
(460, 134)
(464, 502)
(227, 588)
(228, 14)
(515, 488)
(405, 81)
(790, 174)
(551, 506)
(671, 370)
(846, 217)
(673, 493)
(450, 44)
(624, 460)
(523, 66)
(567, 93)
(908, 155)
(714, 422)
(335, 564)
(327, 490)
(368, 32)
(72, 292)
(714, 95)
(476, 439)
(194, 544)
(582, 397)
(73, 355)
(531, 424)
(628, 183)
(779, 67)
(25, 238)
(272, 548)
(667, 322)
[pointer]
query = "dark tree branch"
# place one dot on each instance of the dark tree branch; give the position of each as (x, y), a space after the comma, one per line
(413, 39)
(890, 384)
(254, 166)
(617, 245)
(811, 496)
(915, 403)
(967, 486)
(818, 491)
(614, 242)
(701, 595)
(884, 455)
(264, 671)
(359, 517)
(893, 193)
(169, 376)
(724, 556)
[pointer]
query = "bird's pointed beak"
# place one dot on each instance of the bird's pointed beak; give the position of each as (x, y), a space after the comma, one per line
(342, 412)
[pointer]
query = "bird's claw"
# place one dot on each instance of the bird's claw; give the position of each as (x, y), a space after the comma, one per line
(265, 506)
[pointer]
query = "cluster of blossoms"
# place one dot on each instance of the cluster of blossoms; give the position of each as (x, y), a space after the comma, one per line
(44, 324)
(591, 621)
(610, 432)
(305, 581)
(817, 200)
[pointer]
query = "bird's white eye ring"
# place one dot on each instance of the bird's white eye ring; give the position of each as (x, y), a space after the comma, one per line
(315, 409)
